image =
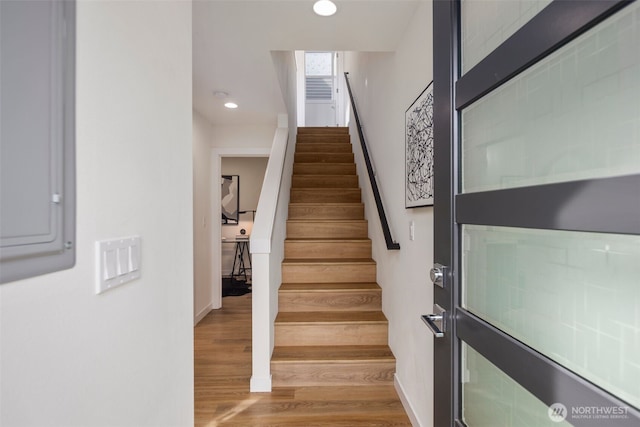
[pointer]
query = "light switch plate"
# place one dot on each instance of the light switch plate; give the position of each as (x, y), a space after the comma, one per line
(117, 262)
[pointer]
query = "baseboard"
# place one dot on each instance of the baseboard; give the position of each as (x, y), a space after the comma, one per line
(202, 313)
(405, 402)
(258, 385)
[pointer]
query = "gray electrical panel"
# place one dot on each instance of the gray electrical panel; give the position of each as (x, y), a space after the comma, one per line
(37, 137)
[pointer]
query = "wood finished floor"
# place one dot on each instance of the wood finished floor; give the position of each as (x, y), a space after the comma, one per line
(222, 351)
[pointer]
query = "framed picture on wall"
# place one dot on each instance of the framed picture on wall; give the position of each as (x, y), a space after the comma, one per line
(419, 150)
(230, 199)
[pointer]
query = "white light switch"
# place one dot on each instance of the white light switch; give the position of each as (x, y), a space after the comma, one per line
(123, 261)
(110, 264)
(134, 257)
(118, 262)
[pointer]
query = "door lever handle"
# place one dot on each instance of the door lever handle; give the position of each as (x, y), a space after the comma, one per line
(435, 322)
(430, 320)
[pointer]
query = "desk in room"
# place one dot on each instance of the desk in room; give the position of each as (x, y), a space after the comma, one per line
(241, 259)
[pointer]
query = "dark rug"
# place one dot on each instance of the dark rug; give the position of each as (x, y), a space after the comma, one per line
(233, 287)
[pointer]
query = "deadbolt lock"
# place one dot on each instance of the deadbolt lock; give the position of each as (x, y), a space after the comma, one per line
(437, 274)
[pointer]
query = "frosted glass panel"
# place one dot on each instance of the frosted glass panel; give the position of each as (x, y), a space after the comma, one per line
(574, 115)
(318, 63)
(490, 398)
(488, 23)
(574, 297)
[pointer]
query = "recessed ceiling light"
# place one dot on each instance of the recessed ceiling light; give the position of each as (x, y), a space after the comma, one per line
(231, 105)
(220, 94)
(325, 7)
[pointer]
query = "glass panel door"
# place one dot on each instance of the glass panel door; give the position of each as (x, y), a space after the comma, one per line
(492, 398)
(573, 297)
(488, 23)
(573, 115)
(541, 289)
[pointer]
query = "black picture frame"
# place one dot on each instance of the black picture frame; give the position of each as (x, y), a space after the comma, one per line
(230, 199)
(419, 150)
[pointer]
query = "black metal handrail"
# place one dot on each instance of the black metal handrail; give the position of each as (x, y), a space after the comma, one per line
(391, 244)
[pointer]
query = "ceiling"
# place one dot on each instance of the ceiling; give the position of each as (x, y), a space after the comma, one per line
(233, 40)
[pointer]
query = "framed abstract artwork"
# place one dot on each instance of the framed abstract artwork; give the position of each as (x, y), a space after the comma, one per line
(230, 194)
(419, 151)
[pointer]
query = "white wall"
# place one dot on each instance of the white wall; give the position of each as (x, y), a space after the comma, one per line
(243, 137)
(70, 357)
(300, 87)
(385, 85)
(203, 298)
(251, 171)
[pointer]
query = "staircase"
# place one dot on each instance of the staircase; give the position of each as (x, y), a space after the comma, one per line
(330, 329)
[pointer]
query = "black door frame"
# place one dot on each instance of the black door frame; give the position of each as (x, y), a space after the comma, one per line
(556, 25)
(447, 396)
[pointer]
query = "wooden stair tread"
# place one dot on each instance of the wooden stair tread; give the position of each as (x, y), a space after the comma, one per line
(322, 129)
(314, 165)
(323, 146)
(321, 163)
(327, 165)
(324, 165)
(330, 317)
(324, 287)
(317, 261)
(327, 204)
(317, 224)
(325, 240)
(345, 169)
(327, 244)
(344, 140)
(322, 153)
(332, 354)
(328, 157)
(339, 135)
(329, 210)
(325, 195)
(324, 175)
(331, 220)
(321, 189)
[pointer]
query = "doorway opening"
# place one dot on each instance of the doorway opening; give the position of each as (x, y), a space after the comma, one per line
(244, 164)
(246, 175)
(320, 89)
